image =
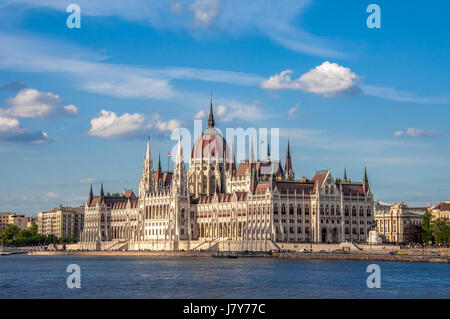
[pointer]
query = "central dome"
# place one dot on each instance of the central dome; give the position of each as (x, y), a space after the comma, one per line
(210, 145)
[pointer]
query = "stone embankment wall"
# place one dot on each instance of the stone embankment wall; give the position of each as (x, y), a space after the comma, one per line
(358, 256)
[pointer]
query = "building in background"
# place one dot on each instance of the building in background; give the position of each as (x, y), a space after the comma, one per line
(399, 223)
(441, 210)
(31, 220)
(61, 222)
(12, 219)
(216, 204)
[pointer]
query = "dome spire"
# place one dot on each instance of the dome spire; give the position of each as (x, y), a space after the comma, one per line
(211, 121)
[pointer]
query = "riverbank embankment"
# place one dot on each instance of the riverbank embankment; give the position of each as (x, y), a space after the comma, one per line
(359, 256)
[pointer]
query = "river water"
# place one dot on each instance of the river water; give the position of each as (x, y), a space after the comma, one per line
(189, 277)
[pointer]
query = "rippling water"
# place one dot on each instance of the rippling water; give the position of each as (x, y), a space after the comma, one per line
(175, 277)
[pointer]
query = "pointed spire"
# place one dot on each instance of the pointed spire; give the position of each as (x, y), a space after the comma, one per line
(268, 150)
(148, 154)
(345, 174)
(102, 195)
(146, 183)
(180, 156)
(91, 197)
(159, 163)
(288, 164)
(211, 121)
(366, 187)
(232, 166)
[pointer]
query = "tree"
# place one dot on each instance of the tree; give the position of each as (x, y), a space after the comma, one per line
(8, 234)
(441, 230)
(427, 229)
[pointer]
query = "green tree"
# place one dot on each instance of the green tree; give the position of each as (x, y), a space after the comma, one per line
(427, 228)
(441, 230)
(8, 234)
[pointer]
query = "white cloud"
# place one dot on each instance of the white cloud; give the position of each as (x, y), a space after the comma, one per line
(12, 132)
(109, 125)
(168, 126)
(200, 115)
(71, 109)
(8, 124)
(205, 12)
(51, 195)
(31, 103)
(402, 96)
(293, 110)
(89, 72)
(244, 112)
(86, 180)
(221, 110)
(414, 132)
(327, 79)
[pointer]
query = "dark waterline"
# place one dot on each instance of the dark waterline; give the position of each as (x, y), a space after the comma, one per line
(182, 277)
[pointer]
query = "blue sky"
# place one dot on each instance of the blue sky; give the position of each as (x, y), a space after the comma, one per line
(76, 105)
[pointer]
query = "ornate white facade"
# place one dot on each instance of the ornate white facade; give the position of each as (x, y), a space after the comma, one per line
(252, 207)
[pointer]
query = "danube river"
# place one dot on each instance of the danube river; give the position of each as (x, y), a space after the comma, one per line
(177, 277)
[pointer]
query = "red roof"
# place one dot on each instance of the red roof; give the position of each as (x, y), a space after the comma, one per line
(295, 187)
(262, 168)
(319, 178)
(353, 189)
(210, 145)
(117, 202)
(444, 206)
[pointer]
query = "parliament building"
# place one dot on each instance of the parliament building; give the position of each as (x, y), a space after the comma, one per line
(218, 204)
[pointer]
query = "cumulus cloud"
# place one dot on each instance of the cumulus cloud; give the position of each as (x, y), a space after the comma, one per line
(31, 103)
(71, 109)
(327, 79)
(200, 115)
(414, 132)
(12, 132)
(110, 125)
(244, 112)
(221, 110)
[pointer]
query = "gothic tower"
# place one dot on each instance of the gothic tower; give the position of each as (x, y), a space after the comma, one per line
(288, 171)
(146, 183)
